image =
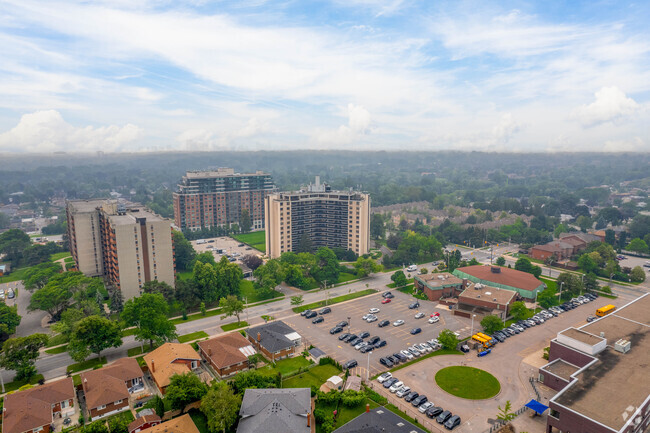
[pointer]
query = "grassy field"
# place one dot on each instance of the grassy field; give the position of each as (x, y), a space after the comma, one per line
(12, 386)
(468, 382)
(247, 290)
(286, 366)
(345, 414)
(235, 325)
(137, 350)
(392, 285)
(314, 376)
(59, 256)
(551, 284)
(344, 277)
(199, 420)
(410, 290)
(56, 340)
(334, 300)
(86, 365)
(190, 337)
(256, 240)
(15, 275)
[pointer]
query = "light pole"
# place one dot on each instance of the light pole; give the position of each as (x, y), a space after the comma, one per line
(368, 369)
(349, 324)
(473, 315)
(582, 285)
(561, 284)
(534, 309)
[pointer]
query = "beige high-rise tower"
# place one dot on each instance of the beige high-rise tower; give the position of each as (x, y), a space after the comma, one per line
(324, 217)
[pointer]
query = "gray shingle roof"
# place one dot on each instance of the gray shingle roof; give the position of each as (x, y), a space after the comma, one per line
(275, 410)
(378, 420)
(273, 335)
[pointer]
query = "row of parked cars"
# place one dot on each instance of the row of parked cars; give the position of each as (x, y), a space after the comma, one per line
(421, 402)
(317, 316)
(409, 353)
(9, 294)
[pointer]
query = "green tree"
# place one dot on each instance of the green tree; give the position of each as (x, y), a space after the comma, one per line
(5, 221)
(9, 320)
(377, 229)
(155, 286)
(501, 261)
(586, 263)
(37, 276)
(205, 257)
(518, 311)
(184, 389)
(491, 324)
(148, 314)
(207, 281)
(611, 268)
(231, 306)
(327, 266)
(506, 414)
(591, 282)
(93, 334)
(637, 245)
(448, 339)
(297, 300)
(523, 264)
(118, 424)
(365, 267)
(183, 251)
(269, 275)
(245, 221)
(72, 315)
(547, 298)
(610, 237)
(399, 279)
(229, 277)
(12, 243)
(561, 228)
(20, 354)
(584, 222)
(53, 298)
(95, 427)
(220, 406)
(158, 405)
(637, 275)
(571, 284)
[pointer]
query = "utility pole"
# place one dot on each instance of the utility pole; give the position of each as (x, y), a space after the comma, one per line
(367, 370)
(561, 284)
(473, 315)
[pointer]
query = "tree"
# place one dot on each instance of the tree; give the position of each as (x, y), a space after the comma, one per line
(584, 222)
(5, 221)
(229, 277)
(327, 266)
(547, 298)
(220, 406)
(9, 320)
(184, 389)
(491, 324)
(377, 229)
(365, 267)
(269, 275)
(305, 245)
(501, 261)
(506, 414)
(93, 334)
(523, 264)
(155, 286)
(591, 282)
(148, 314)
(95, 427)
(231, 306)
(518, 311)
(399, 279)
(448, 339)
(37, 276)
(393, 241)
(116, 301)
(20, 354)
(205, 257)
(252, 261)
(118, 424)
(610, 237)
(570, 283)
(587, 263)
(158, 405)
(72, 315)
(297, 300)
(12, 243)
(637, 275)
(207, 281)
(53, 298)
(638, 246)
(245, 223)
(561, 228)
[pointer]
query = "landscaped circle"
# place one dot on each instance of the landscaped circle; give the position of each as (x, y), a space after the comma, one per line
(468, 382)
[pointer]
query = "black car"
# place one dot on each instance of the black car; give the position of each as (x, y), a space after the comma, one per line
(392, 359)
(383, 323)
(443, 417)
(416, 331)
(379, 344)
(374, 339)
(411, 396)
(434, 411)
(240, 245)
(419, 400)
(387, 362)
(336, 330)
(349, 338)
(383, 295)
(325, 310)
(304, 313)
(342, 324)
(390, 382)
(356, 341)
(401, 357)
(366, 348)
(344, 336)
(350, 364)
(414, 305)
(318, 319)
(364, 334)
(452, 422)
(311, 314)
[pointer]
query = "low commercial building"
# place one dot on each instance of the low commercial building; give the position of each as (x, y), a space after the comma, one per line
(170, 359)
(481, 300)
(525, 284)
(227, 354)
(276, 340)
(601, 372)
(439, 285)
(276, 410)
(556, 250)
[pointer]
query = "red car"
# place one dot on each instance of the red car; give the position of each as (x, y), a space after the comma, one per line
(385, 301)
(436, 314)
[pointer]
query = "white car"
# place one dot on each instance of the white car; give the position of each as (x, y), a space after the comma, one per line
(403, 391)
(426, 346)
(360, 345)
(424, 406)
(371, 319)
(374, 311)
(412, 268)
(365, 316)
(396, 386)
(420, 349)
(419, 315)
(384, 377)
(434, 319)
(398, 322)
(406, 353)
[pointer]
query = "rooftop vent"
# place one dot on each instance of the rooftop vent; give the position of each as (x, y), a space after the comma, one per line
(494, 299)
(488, 293)
(622, 345)
(496, 270)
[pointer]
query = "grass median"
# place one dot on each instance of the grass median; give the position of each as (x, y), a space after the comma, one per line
(235, 325)
(191, 337)
(335, 300)
(86, 365)
(468, 382)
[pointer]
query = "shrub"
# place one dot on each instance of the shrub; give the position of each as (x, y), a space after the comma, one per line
(352, 398)
(606, 289)
(376, 397)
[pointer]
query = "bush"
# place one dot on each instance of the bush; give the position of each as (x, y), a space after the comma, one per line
(606, 289)
(350, 398)
(326, 360)
(329, 398)
(376, 397)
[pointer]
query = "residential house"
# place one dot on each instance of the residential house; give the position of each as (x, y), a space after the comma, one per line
(276, 410)
(557, 250)
(181, 424)
(227, 354)
(35, 409)
(275, 340)
(378, 420)
(107, 390)
(145, 419)
(170, 359)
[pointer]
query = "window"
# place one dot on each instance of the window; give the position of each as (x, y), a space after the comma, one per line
(118, 402)
(101, 407)
(555, 414)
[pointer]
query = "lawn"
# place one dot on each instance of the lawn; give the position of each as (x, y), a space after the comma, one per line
(392, 285)
(199, 420)
(134, 351)
(56, 340)
(59, 256)
(59, 349)
(183, 276)
(468, 382)
(344, 277)
(332, 301)
(410, 290)
(12, 386)
(126, 415)
(345, 414)
(287, 366)
(15, 275)
(247, 290)
(256, 240)
(551, 284)
(235, 325)
(86, 365)
(191, 337)
(314, 376)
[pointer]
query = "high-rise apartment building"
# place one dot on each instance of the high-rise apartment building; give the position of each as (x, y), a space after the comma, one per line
(327, 218)
(217, 198)
(128, 246)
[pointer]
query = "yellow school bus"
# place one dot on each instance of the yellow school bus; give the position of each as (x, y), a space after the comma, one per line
(481, 340)
(604, 311)
(490, 340)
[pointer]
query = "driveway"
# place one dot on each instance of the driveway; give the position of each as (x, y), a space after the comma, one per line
(30, 322)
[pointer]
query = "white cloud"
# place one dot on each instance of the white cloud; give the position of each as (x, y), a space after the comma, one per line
(47, 131)
(505, 129)
(611, 105)
(359, 124)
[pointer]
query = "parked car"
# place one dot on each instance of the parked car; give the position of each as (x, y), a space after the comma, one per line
(396, 386)
(399, 322)
(413, 351)
(419, 400)
(464, 348)
(401, 357)
(385, 301)
(364, 334)
(414, 305)
(425, 406)
(390, 382)
(344, 336)
(419, 315)
(374, 339)
(311, 314)
(433, 412)
(402, 392)
(374, 310)
(366, 348)
(412, 268)
(360, 344)
(386, 294)
(342, 324)
(411, 396)
(350, 364)
(384, 377)
(336, 330)
(383, 323)
(10, 293)
(443, 417)
(325, 310)
(416, 331)
(407, 354)
(591, 318)
(355, 341)
(318, 320)
(304, 313)
(371, 319)
(434, 319)
(452, 422)
(392, 359)
(380, 343)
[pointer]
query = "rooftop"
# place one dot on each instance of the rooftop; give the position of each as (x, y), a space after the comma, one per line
(161, 361)
(582, 336)
(182, 424)
(86, 205)
(228, 349)
(107, 384)
(274, 336)
(505, 276)
(219, 172)
(442, 279)
(487, 293)
(378, 420)
(561, 368)
(275, 410)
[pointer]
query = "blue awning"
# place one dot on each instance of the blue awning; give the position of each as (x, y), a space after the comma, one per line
(536, 406)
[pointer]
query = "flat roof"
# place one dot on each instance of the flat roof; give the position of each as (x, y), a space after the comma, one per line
(434, 280)
(488, 294)
(561, 368)
(582, 336)
(86, 205)
(130, 216)
(605, 390)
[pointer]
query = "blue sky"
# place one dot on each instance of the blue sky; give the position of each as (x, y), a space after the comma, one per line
(139, 75)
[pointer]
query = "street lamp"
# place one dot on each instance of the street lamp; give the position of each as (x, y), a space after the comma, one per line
(368, 369)
(561, 284)
(473, 315)
(349, 324)
(582, 285)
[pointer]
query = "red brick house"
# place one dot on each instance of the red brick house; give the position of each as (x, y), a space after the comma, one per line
(107, 390)
(33, 410)
(181, 424)
(557, 249)
(276, 340)
(143, 422)
(227, 354)
(170, 359)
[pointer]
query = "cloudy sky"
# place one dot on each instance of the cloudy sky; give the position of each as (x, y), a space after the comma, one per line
(138, 75)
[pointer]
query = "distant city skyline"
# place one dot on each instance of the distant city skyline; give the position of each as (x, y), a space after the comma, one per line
(156, 75)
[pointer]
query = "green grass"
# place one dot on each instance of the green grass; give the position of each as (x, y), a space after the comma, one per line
(58, 256)
(410, 290)
(287, 366)
(408, 281)
(190, 337)
(56, 340)
(86, 365)
(344, 414)
(235, 325)
(76, 380)
(15, 275)
(12, 386)
(247, 290)
(196, 316)
(256, 240)
(126, 415)
(428, 355)
(141, 362)
(551, 284)
(344, 277)
(59, 349)
(333, 301)
(68, 260)
(402, 415)
(138, 350)
(315, 376)
(183, 276)
(200, 421)
(468, 382)
(127, 332)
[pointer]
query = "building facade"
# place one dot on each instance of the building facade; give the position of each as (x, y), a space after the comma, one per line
(326, 218)
(227, 354)
(217, 198)
(128, 246)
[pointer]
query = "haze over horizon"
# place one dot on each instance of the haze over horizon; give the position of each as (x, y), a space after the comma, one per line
(196, 75)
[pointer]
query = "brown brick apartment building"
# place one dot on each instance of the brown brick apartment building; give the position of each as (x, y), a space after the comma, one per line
(216, 198)
(227, 354)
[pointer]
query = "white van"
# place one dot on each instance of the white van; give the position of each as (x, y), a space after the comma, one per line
(201, 241)
(412, 268)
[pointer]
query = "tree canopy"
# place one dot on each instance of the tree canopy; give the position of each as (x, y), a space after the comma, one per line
(184, 389)
(231, 306)
(448, 340)
(9, 320)
(93, 334)
(491, 324)
(183, 251)
(20, 354)
(220, 406)
(148, 313)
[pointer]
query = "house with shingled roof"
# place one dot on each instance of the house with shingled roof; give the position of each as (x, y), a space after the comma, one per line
(170, 359)
(227, 354)
(276, 410)
(276, 340)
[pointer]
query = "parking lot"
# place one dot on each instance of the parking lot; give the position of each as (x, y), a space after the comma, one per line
(397, 337)
(229, 246)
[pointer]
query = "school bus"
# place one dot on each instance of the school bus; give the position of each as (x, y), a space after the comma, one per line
(481, 340)
(489, 339)
(604, 311)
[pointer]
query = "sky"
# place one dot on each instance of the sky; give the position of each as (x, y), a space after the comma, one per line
(196, 75)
